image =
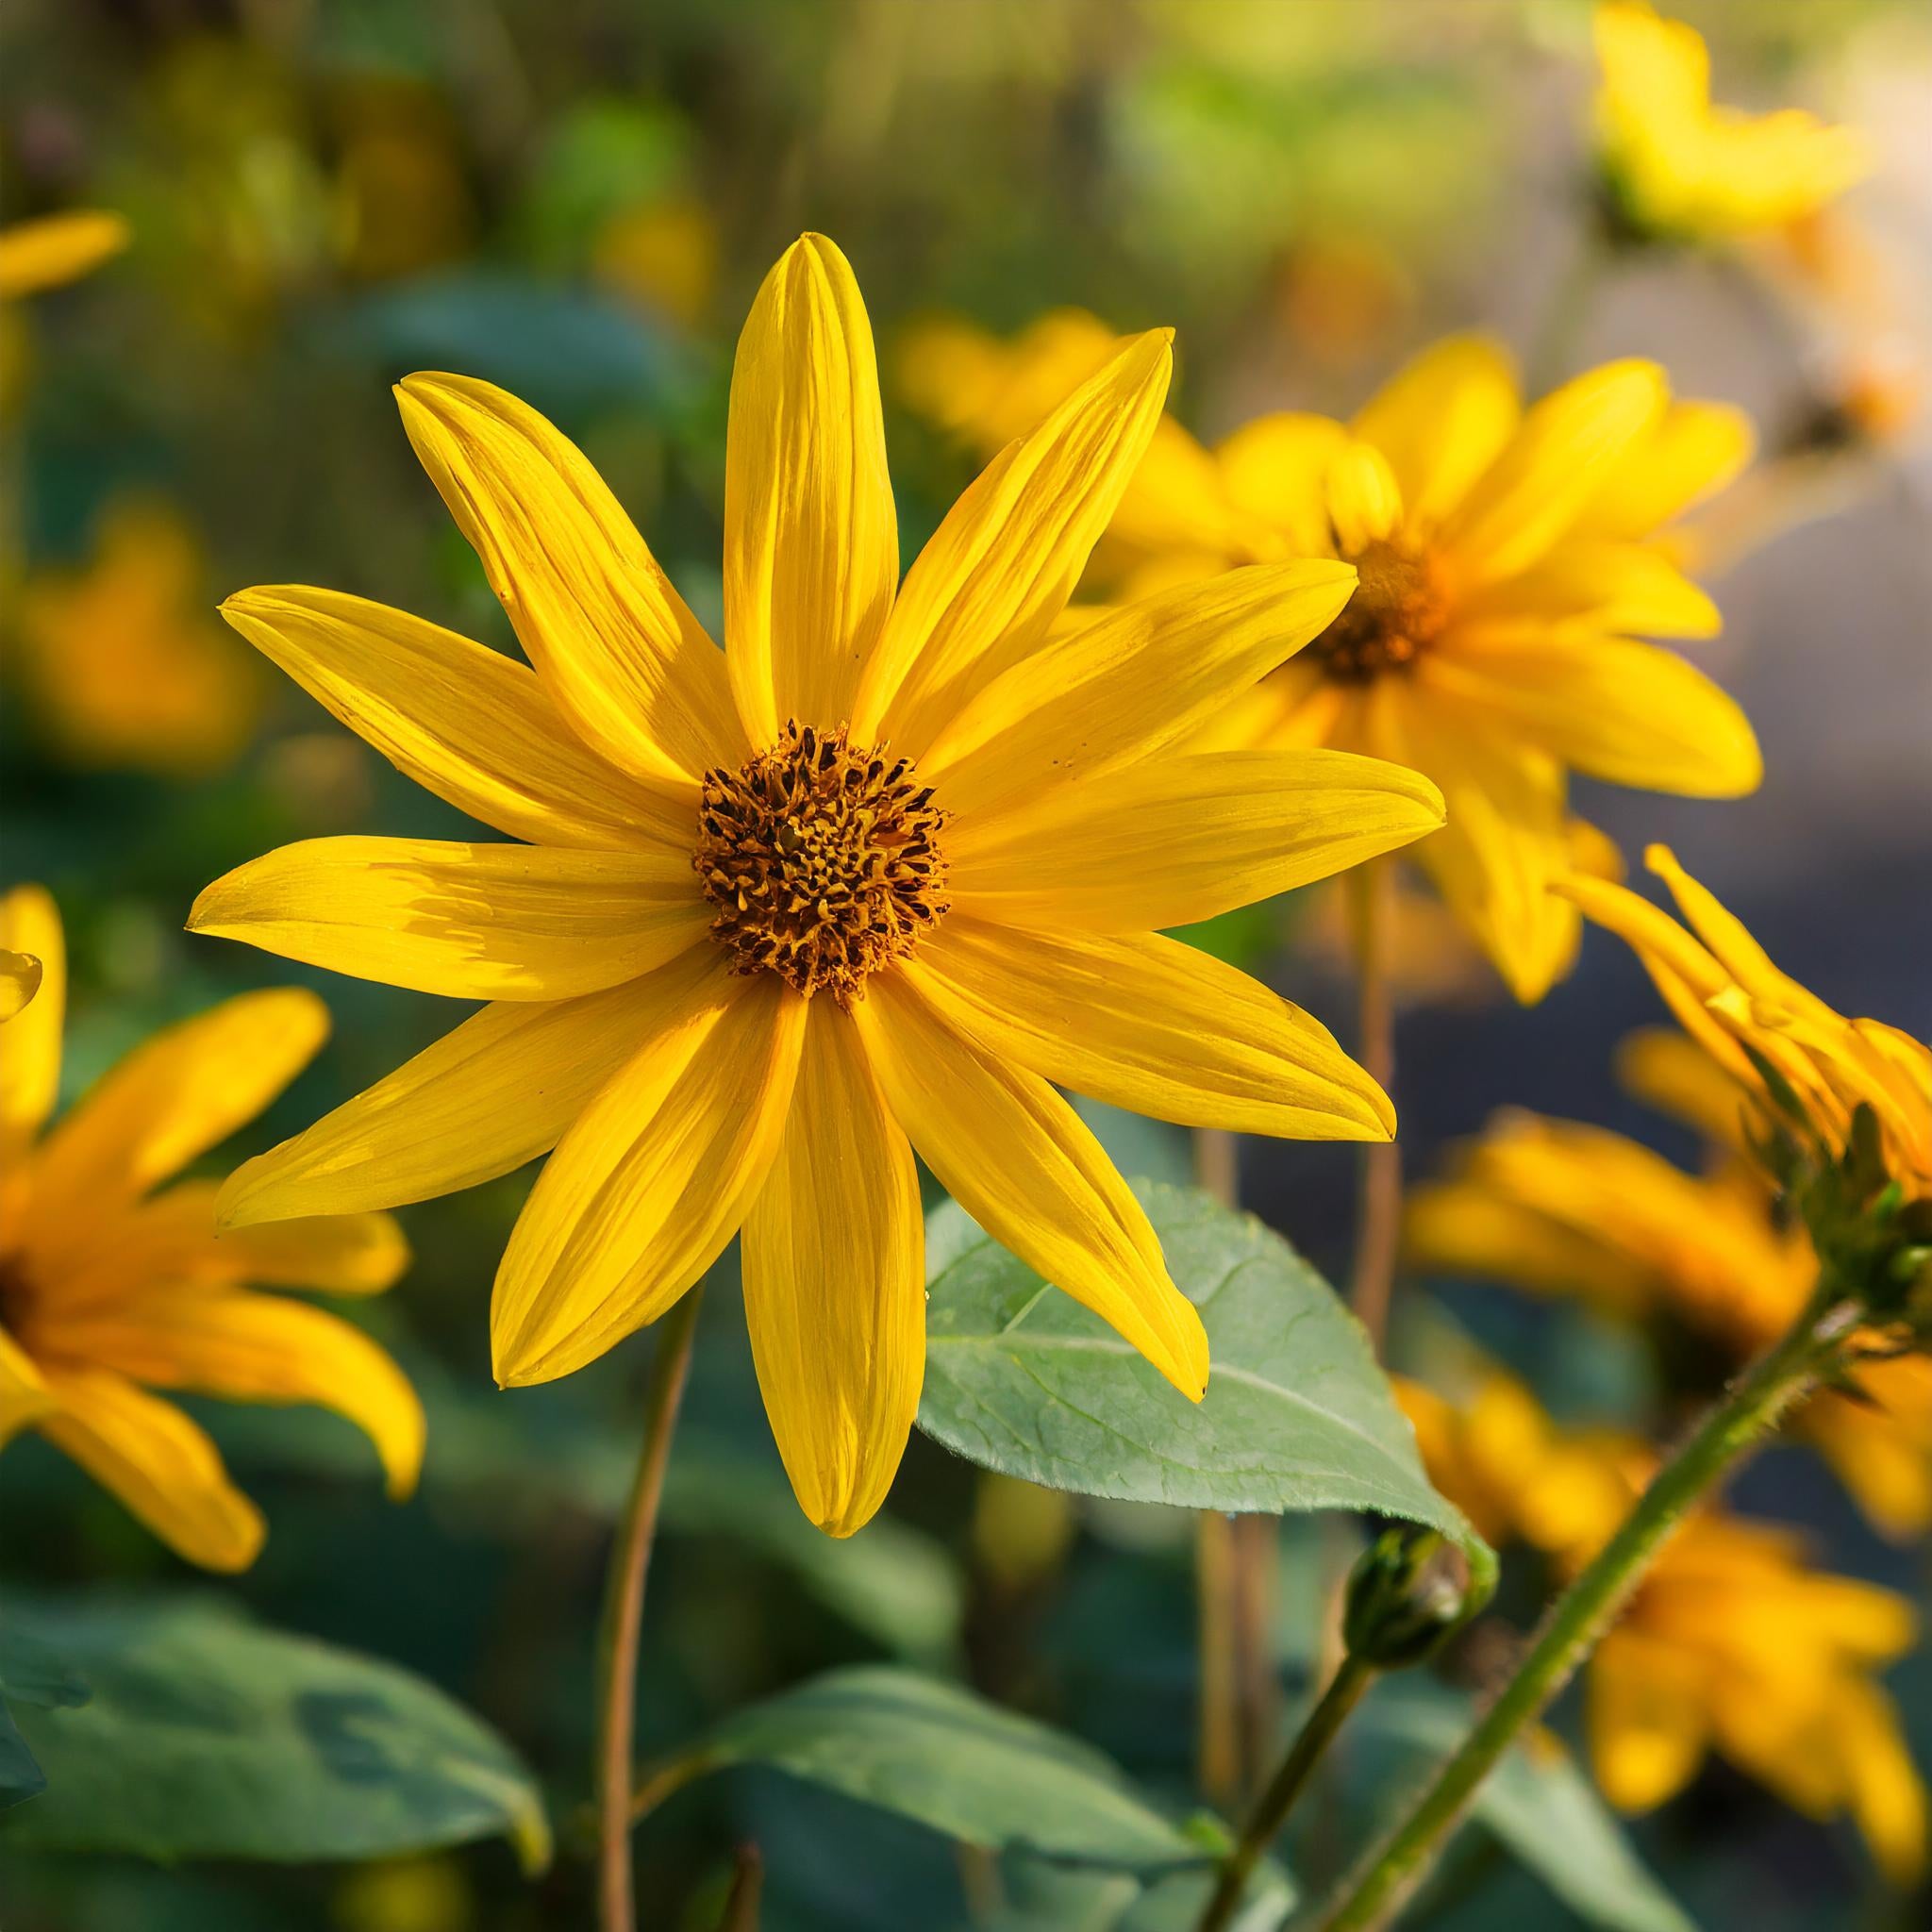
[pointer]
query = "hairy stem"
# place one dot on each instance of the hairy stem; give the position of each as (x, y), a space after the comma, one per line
(624, 1609)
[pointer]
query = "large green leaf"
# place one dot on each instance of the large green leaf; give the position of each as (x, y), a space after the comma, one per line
(1298, 1416)
(207, 1735)
(946, 1758)
(30, 1674)
(1541, 1808)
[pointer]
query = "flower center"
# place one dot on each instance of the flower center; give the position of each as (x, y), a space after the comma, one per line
(821, 857)
(1398, 608)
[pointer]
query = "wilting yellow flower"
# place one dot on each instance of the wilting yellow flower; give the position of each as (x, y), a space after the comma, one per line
(108, 1288)
(867, 880)
(1677, 167)
(120, 660)
(1565, 1209)
(56, 249)
(1732, 1643)
(1729, 996)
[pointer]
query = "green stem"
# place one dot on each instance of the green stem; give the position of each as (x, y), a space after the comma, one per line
(1271, 1810)
(1558, 332)
(1378, 1212)
(624, 1610)
(1584, 1612)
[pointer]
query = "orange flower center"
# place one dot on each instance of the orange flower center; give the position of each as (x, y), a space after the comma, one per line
(822, 858)
(1398, 610)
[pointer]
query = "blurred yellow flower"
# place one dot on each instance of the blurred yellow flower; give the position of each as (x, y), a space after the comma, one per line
(1730, 998)
(663, 254)
(751, 957)
(1732, 1643)
(119, 660)
(1679, 168)
(108, 1288)
(56, 249)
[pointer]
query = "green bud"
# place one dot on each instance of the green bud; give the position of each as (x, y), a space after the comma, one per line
(1408, 1590)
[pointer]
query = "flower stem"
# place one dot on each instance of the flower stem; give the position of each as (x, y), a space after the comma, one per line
(1569, 1632)
(624, 1609)
(1561, 325)
(1378, 1213)
(1271, 1810)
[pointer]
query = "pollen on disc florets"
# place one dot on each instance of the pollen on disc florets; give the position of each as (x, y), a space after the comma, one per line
(822, 858)
(1398, 608)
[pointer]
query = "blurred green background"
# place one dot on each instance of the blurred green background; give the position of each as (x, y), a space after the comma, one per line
(575, 199)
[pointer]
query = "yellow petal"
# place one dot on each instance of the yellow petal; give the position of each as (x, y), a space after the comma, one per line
(470, 724)
(984, 592)
(1608, 585)
(1566, 448)
(469, 922)
(182, 1091)
(625, 661)
(497, 1091)
(1276, 469)
(1141, 678)
(1178, 501)
(258, 1348)
(1694, 450)
(1441, 420)
(1181, 838)
(160, 1465)
(1628, 712)
(30, 1044)
(643, 1192)
(835, 1283)
(1887, 1796)
(1019, 1160)
(1364, 499)
(1150, 1024)
(55, 249)
(1505, 841)
(24, 1393)
(1649, 1722)
(20, 979)
(811, 542)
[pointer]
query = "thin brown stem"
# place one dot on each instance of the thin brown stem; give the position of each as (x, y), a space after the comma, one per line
(1218, 1745)
(747, 1887)
(1378, 1213)
(1257, 1687)
(624, 1610)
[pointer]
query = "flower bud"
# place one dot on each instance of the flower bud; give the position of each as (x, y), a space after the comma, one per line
(1408, 1590)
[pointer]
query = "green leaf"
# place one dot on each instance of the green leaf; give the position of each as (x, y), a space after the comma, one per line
(1298, 1416)
(946, 1758)
(1537, 1803)
(30, 1673)
(210, 1736)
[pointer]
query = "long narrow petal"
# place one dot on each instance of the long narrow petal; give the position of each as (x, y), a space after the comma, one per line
(469, 922)
(645, 1190)
(812, 542)
(1505, 841)
(470, 724)
(1150, 1024)
(1632, 713)
(1567, 447)
(985, 591)
(184, 1091)
(1695, 449)
(1442, 420)
(626, 661)
(1140, 678)
(160, 1465)
(1018, 1158)
(258, 1348)
(30, 1041)
(835, 1283)
(24, 1392)
(495, 1093)
(1620, 587)
(1649, 1718)
(1179, 839)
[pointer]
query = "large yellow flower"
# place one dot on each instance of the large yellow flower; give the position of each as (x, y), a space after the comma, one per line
(865, 881)
(1733, 1642)
(1730, 998)
(1509, 557)
(108, 1288)
(1679, 168)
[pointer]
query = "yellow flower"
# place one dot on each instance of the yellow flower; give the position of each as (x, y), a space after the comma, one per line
(121, 662)
(56, 249)
(1559, 1208)
(108, 1288)
(1732, 1643)
(661, 254)
(1730, 998)
(865, 881)
(1679, 168)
